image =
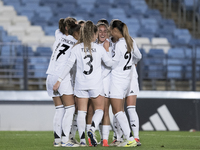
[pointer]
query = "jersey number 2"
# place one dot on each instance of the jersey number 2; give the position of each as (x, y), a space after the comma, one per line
(89, 64)
(127, 56)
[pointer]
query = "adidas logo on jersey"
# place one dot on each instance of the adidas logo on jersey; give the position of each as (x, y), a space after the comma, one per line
(131, 92)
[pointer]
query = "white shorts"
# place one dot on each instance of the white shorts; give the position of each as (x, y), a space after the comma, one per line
(106, 85)
(64, 89)
(133, 88)
(119, 89)
(93, 93)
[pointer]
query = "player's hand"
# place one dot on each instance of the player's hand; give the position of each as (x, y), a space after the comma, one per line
(56, 86)
(106, 45)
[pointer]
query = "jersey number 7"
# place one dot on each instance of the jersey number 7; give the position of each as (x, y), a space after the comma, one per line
(66, 47)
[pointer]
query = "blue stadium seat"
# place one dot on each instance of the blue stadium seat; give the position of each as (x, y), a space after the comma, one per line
(156, 53)
(188, 5)
(176, 53)
(43, 51)
(50, 30)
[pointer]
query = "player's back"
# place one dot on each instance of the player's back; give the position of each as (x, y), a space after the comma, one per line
(60, 54)
(88, 74)
(123, 69)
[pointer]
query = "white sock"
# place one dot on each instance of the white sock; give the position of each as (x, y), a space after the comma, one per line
(119, 132)
(67, 122)
(134, 120)
(88, 127)
(57, 122)
(73, 128)
(105, 131)
(81, 122)
(123, 122)
(114, 127)
(96, 119)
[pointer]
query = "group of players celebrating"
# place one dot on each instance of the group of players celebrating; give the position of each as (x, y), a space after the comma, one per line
(93, 67)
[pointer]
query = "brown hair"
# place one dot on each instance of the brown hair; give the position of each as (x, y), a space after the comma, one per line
(103, 21)
(65, 23)
(122, 27)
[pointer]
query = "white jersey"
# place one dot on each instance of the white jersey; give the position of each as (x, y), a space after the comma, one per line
(88, 75)
(112, 47)
(135, 60)
(126, 60)
(60, 54)
(105, 70)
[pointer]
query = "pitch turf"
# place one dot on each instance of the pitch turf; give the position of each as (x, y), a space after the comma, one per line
(43, 140)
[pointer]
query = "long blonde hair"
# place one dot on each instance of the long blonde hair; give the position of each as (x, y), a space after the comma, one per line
(86, 35)
(122, 27)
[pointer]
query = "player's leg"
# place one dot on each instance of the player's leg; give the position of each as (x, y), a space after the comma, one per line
(133, 116)
(90, 112)
(81, 119)
(123, 122)
(68, 101)
(106, 122)
(57, 121)
(98, 104)
(74, 127)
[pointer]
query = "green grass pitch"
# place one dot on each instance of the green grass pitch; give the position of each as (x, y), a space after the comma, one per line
(43, 140)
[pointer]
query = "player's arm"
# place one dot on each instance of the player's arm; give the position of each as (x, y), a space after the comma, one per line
(111, 62)
(65, 72)
(106, 45)
(136, 53)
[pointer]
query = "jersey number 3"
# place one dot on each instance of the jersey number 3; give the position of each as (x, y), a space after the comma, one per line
(127, 56)
(89, 64)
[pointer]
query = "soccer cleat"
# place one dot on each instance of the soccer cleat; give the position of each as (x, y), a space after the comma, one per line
(138, 142)
(69, 144)
(74, 141)
(89, 141)
(115, 143)
(82, 144)
(128, 144)
(56, 144)
(105, 143)
(92, 138)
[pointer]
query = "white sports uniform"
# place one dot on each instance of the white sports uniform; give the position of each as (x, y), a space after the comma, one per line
(134, 86)
(88, 80)
(61, 52)
(106, 75)
(121, 75)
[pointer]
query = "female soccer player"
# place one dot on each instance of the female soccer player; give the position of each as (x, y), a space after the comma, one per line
(121, 76)
(63, 98)
(88, 81)
(103, 41)
(131, 103)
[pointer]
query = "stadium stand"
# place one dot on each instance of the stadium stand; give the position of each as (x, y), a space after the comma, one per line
(29, 25)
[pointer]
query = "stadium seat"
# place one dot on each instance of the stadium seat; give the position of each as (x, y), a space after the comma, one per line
(18, 31)
(161, 43)
(156, 53)
(144, 43)
(139, 5)
(7, 11)
(176, 53)
(5, 21)
(43, 51)
(34, 31)
(20, 21)
(47, 41)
